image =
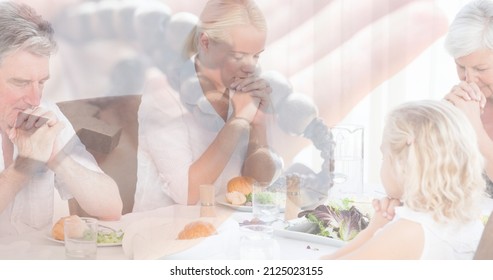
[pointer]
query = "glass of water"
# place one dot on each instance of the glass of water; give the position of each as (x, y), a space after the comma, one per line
(257, 243)
(267, 201)
(81, 235)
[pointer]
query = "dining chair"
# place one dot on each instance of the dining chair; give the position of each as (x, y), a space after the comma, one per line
(108, 127)
(485, 247)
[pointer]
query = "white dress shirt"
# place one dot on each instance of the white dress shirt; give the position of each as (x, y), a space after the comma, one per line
(32, 207)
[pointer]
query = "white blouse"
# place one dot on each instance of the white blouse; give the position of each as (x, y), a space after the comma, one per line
(175, 129)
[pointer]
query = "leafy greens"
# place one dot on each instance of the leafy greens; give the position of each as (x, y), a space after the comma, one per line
(342, 221)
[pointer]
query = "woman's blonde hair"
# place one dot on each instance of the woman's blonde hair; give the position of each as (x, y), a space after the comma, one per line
(434, 149)
(220, 15)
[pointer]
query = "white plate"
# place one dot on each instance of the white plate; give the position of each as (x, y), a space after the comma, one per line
(221, 199)
(49, 237)
(299, 228)
(294, 231)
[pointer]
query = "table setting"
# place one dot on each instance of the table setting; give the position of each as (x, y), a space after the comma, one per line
(238, 235)
(154, 240)
(154, 235)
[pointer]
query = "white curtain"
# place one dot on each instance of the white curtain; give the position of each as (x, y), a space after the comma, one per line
(426, 73)
(355, 58)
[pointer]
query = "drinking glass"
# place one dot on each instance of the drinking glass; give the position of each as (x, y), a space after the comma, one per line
(267, 201)
(257, 243)
(81, 235)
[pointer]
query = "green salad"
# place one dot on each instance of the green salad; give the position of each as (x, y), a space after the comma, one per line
(340, 220)
(264, 198)
(110, 237)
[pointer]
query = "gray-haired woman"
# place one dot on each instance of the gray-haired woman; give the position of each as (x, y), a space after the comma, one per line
(470, 42)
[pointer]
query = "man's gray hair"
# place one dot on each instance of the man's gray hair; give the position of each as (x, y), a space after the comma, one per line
(21, 28)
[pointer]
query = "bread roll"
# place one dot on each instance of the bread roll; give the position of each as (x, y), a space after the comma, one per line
(236, 198)
(242, 184)
(196, 230)
(58, 228)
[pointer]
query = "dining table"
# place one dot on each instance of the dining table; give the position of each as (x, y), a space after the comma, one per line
(157, 230)
(153, 235)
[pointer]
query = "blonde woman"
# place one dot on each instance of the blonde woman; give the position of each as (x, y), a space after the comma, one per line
(207, 123)
(432, 164)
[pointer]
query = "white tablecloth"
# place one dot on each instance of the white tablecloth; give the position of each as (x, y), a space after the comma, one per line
(39, 245)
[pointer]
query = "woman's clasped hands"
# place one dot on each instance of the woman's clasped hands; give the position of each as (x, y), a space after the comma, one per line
(252, 94)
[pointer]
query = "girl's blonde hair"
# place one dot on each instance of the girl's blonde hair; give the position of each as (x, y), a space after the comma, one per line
(220, 15)
(434, 149)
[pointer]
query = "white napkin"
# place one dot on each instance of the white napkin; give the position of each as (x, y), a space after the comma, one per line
(222, 246)
(155, 235)
(154, 238)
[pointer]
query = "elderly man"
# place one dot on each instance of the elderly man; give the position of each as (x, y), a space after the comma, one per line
(39, 148)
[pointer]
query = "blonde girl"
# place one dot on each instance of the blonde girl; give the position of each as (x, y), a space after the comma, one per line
(432, 165)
